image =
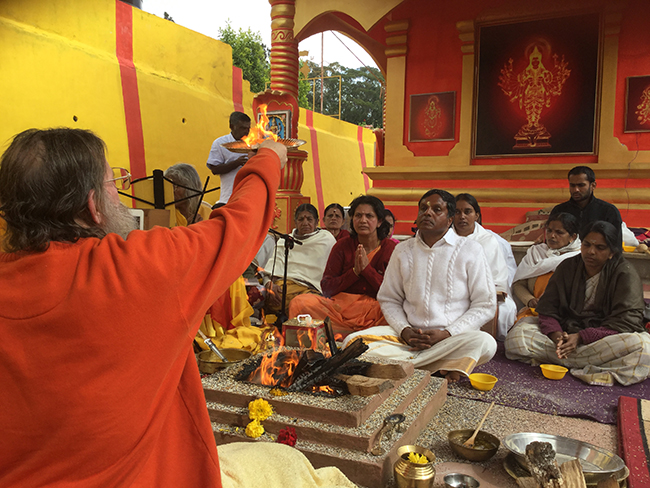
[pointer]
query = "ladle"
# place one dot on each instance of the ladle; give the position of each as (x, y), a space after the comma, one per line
(213, 348)
(470, 442)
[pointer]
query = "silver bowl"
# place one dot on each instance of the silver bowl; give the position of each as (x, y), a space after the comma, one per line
(597, 463)
(458, 480)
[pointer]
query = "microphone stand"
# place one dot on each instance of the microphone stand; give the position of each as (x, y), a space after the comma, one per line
(289, 242)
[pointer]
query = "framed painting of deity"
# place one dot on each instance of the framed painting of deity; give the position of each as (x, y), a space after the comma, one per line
(637, 104)
(537, 87)
(432, 117)
(279, 123)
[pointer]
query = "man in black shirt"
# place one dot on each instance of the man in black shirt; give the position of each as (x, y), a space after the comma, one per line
(584, 206)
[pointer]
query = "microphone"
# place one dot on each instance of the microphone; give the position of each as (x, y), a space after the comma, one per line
(286, 237)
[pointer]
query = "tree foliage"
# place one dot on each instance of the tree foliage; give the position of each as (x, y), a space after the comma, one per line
(248, 53)
(361, 93)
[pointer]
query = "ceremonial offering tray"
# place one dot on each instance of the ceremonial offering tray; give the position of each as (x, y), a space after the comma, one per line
(597, 463)
(209, 362)
(486, 445)
(243, 148)
(514, 469)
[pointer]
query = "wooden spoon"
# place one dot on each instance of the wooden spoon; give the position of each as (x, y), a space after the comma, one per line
(470, 442)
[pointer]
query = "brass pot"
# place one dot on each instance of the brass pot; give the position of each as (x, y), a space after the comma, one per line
(486, 445)
(413, 475)
(209, 362)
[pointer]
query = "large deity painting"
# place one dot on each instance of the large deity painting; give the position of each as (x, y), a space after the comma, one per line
(537, 87)
(432, 117)
(637, 104)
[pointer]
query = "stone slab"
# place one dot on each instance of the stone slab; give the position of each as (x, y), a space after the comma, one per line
(360, 466)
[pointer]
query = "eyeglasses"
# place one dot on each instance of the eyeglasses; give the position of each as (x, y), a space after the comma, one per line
(121, 178)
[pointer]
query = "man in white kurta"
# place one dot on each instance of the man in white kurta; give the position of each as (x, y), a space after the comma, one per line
(437, 293)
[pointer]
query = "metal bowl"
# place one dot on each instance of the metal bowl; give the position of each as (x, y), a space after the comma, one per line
(458, 480)
(597, 463)
(242, 148)
(486, 445)
(209, 362)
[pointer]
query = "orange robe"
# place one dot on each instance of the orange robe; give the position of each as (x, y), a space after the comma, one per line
(100, 386)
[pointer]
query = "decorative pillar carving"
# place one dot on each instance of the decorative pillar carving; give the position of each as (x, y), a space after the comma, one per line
(281, 98)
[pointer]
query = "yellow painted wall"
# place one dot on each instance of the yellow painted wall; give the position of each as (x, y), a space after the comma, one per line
(339, 159)
(58, 61)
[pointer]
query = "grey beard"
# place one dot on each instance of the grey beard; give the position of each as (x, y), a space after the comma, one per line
(118, 220)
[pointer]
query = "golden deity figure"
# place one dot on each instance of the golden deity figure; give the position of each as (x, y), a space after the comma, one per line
(433, 120)
(643, 112)
(534, 88)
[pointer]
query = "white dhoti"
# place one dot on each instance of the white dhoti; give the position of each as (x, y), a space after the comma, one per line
(507, 317)
(623, 357)
(460, 352)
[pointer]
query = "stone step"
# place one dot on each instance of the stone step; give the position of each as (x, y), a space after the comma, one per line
(347, 411)
(324, 431)
(358, 464)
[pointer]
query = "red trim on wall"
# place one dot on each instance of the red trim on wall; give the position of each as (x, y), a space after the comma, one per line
(362, 154)
(130, 95)
(469, 184)
(237, 89)
(309, 122)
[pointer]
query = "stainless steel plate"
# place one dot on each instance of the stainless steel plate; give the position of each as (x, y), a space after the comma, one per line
(595, 461)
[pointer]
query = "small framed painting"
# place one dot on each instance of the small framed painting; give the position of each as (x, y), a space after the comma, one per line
(637, 104)
(432, 117)
(279, 123)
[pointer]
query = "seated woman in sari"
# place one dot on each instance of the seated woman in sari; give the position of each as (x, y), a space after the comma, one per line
(334, 218)
(590, 316)
(354, 273)
(467, 223)
(390, 218)
(306, 261)
(540, 261)
(227, 322)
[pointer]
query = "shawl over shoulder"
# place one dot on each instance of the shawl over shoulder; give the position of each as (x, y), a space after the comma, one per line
(619, 294)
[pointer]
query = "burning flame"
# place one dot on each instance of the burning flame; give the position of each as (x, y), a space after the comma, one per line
(276, 368)
(259, 132)
(323, 389)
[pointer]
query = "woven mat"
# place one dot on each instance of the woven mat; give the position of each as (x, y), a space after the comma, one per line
(523, 386)
(633, 434)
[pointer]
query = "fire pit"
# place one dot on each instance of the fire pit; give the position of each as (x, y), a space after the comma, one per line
(331, 430)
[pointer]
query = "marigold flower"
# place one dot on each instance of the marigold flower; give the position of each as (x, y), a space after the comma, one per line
(254, 429)
(287, 436)
(259, 410)
(416, 458)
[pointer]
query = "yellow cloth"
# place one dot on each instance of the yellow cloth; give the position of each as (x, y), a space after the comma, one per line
(243, 335)
(205, 209)
(273, 465)
(540, 286)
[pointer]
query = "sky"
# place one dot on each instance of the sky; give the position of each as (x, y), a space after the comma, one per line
(207, 16)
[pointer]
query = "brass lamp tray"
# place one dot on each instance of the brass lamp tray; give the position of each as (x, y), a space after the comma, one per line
(243, 148)
(597, 463)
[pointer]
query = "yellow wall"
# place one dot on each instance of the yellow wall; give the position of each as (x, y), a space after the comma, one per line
(58, 60)
(339, 159)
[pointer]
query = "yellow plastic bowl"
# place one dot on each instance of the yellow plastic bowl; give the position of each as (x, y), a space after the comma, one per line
(553, 371)
(629, 248)
(482, 381)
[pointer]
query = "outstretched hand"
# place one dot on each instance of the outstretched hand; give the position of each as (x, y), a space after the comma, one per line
(279, 149)
(419, 339)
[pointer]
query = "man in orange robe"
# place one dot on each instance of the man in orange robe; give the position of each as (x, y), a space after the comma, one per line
(99, 383)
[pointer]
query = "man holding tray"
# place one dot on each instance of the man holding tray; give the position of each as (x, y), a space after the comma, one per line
(226, 163)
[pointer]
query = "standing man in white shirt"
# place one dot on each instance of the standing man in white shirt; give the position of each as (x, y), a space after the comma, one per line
(226, 163)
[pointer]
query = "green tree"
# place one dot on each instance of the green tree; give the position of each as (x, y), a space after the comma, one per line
(248, 53)
(361, 93)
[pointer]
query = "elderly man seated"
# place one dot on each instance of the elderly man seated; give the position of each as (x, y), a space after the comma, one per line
(437, 293)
